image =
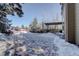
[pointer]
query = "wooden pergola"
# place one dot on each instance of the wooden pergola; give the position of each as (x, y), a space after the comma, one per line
(53, 23)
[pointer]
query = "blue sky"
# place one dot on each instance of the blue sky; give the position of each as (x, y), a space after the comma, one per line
(41, 11)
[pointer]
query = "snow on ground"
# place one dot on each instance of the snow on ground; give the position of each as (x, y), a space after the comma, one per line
(36, 44)
(64, 48)
(2, 47)
(18, 32)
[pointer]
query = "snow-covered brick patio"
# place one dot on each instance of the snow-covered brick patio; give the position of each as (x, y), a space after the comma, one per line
(36, 44)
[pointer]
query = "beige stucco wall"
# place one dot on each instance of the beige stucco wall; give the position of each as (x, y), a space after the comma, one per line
(69, 24)
(68, 21)
(77, 23)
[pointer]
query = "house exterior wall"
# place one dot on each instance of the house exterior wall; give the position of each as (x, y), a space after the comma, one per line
(77, 23)
(71, 18)
(69, 24)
